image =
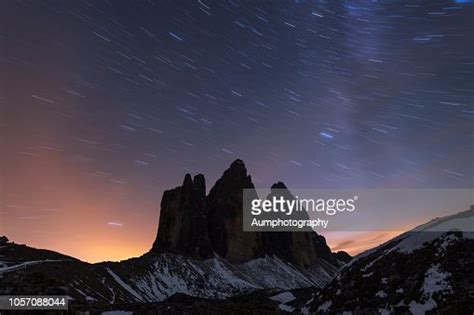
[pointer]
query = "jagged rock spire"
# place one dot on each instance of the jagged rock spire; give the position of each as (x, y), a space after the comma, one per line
(200, 226)
(183, 226)
(225, 216)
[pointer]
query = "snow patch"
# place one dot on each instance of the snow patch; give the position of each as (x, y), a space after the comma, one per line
(325, 306)
(283, 297)
(26, 264)
(435, 281)
(124, 285)
(286, 308)
(421, 309)
(383, 311)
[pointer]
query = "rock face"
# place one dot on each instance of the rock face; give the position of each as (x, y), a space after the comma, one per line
(225, 217)
(183, 225)
(200, 226)
(302, 248)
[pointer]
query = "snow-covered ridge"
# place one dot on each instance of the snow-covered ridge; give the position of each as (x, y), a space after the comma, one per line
(124, 285)
(426, 269)
(156, 277)
(415, 238)
(25, 264)
(462, 221)
(168, 274)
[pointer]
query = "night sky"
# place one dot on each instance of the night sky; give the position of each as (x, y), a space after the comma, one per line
(105, 104)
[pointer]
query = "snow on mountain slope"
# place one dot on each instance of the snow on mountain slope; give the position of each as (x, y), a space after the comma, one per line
(463, 222)
(152, 277)
(427, 269)
(158, 277)
(411, 240)
(13, 267)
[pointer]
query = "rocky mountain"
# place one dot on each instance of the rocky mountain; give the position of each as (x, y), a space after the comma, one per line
(428, 270)
(200, 251)
(202, 226)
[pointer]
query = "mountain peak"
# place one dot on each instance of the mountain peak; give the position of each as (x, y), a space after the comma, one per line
(238, 162)
(236, 170)
(199, 184)
(278, 185)
(3, 240)
(188, 181)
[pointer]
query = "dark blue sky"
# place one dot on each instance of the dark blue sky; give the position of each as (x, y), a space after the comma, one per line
(108, 103)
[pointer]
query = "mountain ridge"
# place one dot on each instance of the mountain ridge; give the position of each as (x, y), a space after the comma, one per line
(200, 250)
(428, 269)
(186, 210)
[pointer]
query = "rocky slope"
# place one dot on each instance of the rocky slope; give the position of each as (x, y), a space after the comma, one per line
(428, 270)
(149, 278)
(200, 251)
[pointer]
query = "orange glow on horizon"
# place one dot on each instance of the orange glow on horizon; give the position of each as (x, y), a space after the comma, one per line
(355, 243)
(89, 249)
(75, 219)
(122, 246)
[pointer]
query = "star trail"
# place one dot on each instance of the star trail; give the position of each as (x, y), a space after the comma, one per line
(106, 104)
